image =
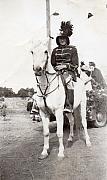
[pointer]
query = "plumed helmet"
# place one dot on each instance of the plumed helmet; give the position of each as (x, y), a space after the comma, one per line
(62, 36)
(66, 30)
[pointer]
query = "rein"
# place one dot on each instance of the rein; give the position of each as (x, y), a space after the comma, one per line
(48, 85)
(44, 94)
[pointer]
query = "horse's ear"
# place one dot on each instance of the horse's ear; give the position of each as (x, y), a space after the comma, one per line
(33, 68)
(46, 52)
(31, 52)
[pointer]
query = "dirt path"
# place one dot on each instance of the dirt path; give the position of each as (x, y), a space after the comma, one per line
(21, 143)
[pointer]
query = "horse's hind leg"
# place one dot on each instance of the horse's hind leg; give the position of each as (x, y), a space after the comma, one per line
(59, 119)
(71, 122)
(84, 122)
(44, 153)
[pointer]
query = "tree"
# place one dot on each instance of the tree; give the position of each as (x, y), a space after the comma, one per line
(7, 92)
(25, 92)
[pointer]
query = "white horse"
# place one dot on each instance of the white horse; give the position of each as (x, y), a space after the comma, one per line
(51, 98)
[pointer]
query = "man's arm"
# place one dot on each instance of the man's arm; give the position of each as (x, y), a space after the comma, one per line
(74, 60)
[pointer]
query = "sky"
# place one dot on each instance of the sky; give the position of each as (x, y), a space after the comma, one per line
(23, 25)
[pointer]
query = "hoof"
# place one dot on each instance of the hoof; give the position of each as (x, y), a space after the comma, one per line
(60, 158)
(42, 157)
(88, 144)
(70, 139)
(61, 155)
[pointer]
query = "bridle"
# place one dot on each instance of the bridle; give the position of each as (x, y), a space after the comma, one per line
(44, 93)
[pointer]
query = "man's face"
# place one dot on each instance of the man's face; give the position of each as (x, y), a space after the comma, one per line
(91, 68)
(62, 41)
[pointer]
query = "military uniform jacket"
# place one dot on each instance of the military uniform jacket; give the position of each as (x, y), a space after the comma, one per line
(66, 55)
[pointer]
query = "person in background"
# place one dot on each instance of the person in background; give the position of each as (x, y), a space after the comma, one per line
(34, 113)
(97, 77)
(3, 109)
(29, 101)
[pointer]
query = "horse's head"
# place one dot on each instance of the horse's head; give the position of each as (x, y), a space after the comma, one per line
(40, 58)
(40, 64)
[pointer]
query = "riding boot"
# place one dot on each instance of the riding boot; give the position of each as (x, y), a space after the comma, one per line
(68, 106)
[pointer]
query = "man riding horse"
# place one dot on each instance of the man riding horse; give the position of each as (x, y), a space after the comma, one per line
(50, 88)
(64, 60)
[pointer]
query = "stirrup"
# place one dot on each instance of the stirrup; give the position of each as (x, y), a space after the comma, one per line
(67, 110)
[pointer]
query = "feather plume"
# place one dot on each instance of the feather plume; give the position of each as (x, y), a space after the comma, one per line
(66, 28)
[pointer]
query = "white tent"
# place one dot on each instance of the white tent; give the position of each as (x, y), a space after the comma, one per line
(23, 25)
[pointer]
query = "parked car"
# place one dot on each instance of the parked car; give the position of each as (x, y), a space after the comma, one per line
(97, 107)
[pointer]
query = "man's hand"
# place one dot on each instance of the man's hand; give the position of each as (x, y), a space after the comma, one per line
(60, 67)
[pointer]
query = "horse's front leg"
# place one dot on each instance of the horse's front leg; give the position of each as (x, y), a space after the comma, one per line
(71, 122)
(45, 121)
(60, 119)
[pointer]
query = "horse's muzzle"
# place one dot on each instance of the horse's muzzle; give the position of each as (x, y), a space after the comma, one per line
(38, 71)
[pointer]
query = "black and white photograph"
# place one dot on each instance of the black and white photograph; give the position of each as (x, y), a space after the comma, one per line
(53, 90)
